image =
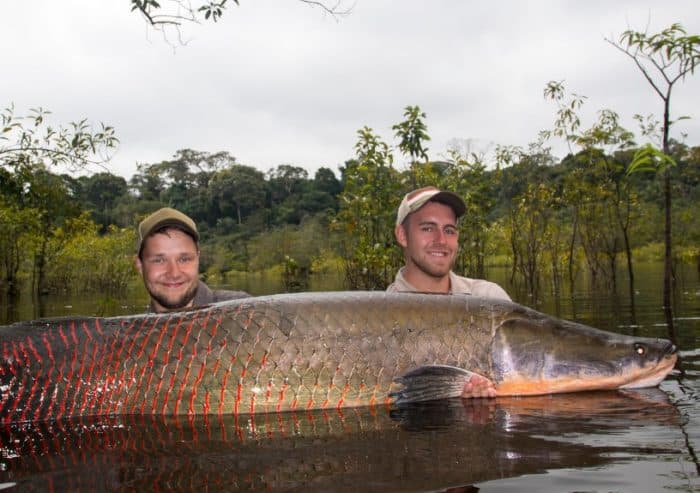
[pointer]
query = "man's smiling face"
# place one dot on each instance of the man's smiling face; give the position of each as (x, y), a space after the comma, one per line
(169, 264)
(430, 239)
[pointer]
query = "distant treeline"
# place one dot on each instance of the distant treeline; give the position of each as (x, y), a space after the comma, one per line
(549, 221)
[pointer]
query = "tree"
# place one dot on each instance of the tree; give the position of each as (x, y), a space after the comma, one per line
(600, 180)
(29, 140)
(467, 176)
(367, 211)
(238, 191)
(29, 148)
(286, 180)
(19, 231)
(181, 182)
(663, 58)
(100, 193)
(175, 13)
(87, 261)
(326, 181)
(412, 133)
(529, 225)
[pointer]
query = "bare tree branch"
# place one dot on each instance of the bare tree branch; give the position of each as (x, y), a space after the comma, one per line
(636, 58)
(178, 12)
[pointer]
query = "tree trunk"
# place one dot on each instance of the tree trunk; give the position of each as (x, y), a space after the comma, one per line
(572, 249)
(40, 270)
(630, 273)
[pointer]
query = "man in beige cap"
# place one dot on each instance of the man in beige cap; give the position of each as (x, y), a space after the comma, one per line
(426, 229)
(168, 260)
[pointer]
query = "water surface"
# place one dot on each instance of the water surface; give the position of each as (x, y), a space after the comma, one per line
(636, 440)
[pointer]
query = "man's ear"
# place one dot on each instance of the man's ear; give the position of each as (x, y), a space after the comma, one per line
(400, 233)
(138, 264)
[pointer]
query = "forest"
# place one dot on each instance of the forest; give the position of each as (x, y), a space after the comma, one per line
(549, 221)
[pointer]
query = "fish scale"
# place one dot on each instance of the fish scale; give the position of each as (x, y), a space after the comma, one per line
(307, 351)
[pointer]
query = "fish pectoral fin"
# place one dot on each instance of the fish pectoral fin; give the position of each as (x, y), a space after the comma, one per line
(428, 383)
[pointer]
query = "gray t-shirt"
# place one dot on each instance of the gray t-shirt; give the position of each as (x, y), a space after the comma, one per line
(458, 285)
(205, 296)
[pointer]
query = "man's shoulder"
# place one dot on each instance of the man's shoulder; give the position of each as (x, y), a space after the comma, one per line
(225, 295)
(206, 296)
(478, 287)
(400, 284)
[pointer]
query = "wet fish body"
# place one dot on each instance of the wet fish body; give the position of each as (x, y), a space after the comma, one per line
(309, 351)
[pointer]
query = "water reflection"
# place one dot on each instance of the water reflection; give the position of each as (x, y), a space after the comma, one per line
(434, 446)
(609, 441)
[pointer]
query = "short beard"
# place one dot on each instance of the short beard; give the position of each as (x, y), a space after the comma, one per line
(181, 303)
(423, 267)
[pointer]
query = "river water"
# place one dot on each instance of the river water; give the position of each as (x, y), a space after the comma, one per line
(633, 441)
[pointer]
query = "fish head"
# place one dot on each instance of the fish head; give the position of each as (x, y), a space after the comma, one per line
(538, 354)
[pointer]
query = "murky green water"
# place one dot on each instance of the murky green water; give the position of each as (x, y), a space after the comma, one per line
(638, 440)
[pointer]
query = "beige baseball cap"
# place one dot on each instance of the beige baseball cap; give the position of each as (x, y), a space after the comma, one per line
(165, 217)
(416, 199)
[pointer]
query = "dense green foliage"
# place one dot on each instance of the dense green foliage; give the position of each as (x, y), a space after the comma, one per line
(549, 221)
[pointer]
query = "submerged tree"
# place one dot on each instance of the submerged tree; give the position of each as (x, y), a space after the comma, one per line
(664, 59)
(597, 178)
(367, 211)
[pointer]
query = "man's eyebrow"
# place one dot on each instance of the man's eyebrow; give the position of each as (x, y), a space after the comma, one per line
(434, 223)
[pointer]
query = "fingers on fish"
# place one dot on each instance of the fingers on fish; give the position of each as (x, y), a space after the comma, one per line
(434, 382)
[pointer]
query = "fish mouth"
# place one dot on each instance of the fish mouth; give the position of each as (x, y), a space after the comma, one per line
(656, 374)
(570, 357)
(649, 375)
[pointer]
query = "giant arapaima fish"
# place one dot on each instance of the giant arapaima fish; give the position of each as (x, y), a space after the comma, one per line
(309, 351)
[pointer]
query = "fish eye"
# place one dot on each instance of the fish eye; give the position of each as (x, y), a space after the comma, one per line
(640, 349)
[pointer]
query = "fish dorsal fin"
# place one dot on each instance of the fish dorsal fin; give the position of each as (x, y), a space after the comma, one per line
(427, 383)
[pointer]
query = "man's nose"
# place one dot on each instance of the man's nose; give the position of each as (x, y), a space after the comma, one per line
(439, 236)
(172, 267)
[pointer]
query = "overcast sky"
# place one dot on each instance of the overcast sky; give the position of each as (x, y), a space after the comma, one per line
(279, 82)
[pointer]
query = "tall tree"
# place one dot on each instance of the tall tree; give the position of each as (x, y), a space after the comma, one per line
(367, 211)
(412, 133)
(238, 191)
(663, 58)
(100, 194)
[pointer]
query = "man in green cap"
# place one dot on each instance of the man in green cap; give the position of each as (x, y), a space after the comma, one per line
(168, 260)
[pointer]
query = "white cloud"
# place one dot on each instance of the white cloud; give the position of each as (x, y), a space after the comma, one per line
(279, 82)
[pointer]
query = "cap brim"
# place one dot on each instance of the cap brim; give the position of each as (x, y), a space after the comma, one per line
(174, 223)
(451, 199)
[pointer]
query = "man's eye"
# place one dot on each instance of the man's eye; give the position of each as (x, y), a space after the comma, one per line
(450, 231)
